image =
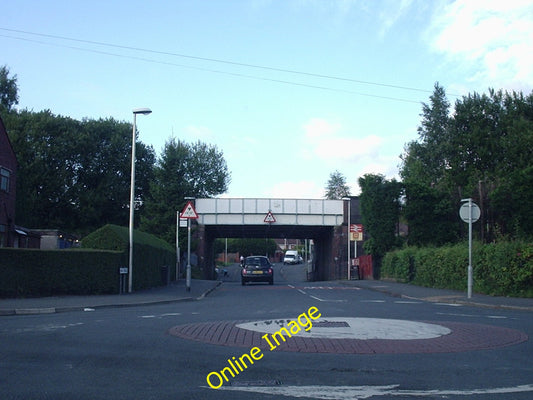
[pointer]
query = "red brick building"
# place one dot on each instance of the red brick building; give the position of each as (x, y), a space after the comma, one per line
(10, 234)
(8, 181)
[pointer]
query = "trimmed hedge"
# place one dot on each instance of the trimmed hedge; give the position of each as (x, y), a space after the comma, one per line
(151, 255)
(29, 272)
(502, 269)
(91, 270)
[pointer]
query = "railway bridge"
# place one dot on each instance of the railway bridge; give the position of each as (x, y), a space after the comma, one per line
(323, 221)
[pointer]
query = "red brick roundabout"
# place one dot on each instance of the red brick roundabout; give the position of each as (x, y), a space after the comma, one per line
(461, 337)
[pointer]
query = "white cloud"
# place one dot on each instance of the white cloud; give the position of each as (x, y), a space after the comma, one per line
(326, 141)
(491, 39)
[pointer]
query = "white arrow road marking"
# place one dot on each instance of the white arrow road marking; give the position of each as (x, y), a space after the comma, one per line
(366, 392)
(356, 328)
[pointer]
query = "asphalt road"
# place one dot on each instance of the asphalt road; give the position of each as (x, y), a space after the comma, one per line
(166, 351)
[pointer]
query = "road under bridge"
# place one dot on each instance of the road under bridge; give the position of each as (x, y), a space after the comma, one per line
(323, 221)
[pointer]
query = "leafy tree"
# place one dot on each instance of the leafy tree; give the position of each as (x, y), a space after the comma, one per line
(73, 174)
(336, 187)
(380, 211)
(247, 247)
(8, 90)
(429, 210)
(183, 170)
(426, 160)
(484, 150)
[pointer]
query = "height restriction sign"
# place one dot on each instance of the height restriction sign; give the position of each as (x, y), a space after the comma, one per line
(189, 212)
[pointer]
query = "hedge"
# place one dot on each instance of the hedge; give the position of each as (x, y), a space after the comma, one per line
(94, 269)
(503, 269)
(31, 272)
(152, 257)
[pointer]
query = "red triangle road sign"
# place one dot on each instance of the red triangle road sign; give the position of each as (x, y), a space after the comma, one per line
(189, 211)
(269, 217)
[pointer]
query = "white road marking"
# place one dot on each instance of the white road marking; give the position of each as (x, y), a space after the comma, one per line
(407, 302)
(161, 315)
(456, 314)
(367, 392)
(333, 301)
(355, 328)
(372, 301)
(47, 327)
(448, 304)
(301, 291)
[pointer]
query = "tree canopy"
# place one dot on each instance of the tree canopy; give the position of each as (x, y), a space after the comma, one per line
(483, 150)
(183, 170)
(336, 187)
(75, 175)
(8, 89)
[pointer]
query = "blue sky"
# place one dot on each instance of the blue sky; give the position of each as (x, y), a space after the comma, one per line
(288, 90)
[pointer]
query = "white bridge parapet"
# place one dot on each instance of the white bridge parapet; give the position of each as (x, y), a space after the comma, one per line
(250, 211)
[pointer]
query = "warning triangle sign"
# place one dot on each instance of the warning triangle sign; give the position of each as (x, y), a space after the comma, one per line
(189, 211)
(269, 217)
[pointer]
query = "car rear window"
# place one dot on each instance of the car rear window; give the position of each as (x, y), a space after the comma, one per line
(257, 261)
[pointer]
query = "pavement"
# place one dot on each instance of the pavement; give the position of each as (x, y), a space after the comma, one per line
(176, 291)
(409, 291)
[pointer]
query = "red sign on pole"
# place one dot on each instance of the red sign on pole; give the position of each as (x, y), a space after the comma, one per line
(356, 232)
(189, 212)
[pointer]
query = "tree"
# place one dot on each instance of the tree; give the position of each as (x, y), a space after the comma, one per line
(8, 89)
(183, 170)
(247, 247)
(380, 211)
(336, 187)
(74, 175)
(429, 209)
(483, 151)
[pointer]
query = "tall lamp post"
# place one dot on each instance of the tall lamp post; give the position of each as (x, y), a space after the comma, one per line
(143, 111)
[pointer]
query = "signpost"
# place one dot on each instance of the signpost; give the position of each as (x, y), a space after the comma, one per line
(180, 223)
(356, 235)
(469, 213)
(189, 213)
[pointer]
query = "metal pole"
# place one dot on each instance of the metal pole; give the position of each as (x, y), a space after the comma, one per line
(470, 248)
(188, 281)
(349, 234)
(132, 195)
(177, 245)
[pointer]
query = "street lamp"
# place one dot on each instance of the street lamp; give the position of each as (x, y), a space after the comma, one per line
(349, 212)
(143, 111)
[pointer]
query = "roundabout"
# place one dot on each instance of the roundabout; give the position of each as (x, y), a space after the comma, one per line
(343, 335)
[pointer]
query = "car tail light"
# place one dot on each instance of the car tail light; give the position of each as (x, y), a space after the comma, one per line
(270, 270)
(244, 271)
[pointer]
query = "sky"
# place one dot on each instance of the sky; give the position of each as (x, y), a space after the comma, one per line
(290, 91)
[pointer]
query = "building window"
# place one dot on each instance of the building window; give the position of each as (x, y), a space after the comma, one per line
(4, 179)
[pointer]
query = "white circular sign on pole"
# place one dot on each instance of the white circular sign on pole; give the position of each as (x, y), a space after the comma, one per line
(464, 212)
